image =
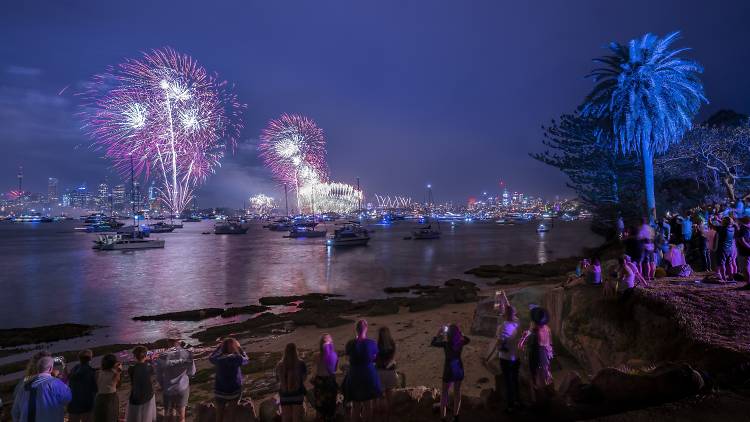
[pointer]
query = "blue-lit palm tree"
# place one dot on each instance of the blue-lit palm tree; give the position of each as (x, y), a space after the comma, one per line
(646, 96)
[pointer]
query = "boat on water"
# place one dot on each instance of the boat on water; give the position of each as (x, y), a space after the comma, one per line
(426, 232)
(134, 231)
(305, 231)
(542, 228)
(230, 227)
(280, 225)
(192, 219)
(161, 227)
(349, 235)
(505, 222)
(115, 242)
(176, 225)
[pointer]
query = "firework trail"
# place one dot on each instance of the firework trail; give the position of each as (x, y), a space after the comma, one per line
(166, 112)
(293, 147)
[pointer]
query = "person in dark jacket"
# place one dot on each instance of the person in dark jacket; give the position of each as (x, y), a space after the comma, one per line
(141, 403)
(82, 383)
(450, 339)
(228, 358)
(43, 397)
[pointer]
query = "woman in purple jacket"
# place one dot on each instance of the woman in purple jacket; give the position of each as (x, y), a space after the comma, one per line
(228, 358)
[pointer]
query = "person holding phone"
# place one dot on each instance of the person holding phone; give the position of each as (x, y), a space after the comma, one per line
(450, 339)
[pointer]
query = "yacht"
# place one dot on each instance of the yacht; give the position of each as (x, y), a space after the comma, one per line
(305, 231)
(349, 235)
(426, 232)
(161, 227)
(114, 242)
(280, 225)
(230, 227)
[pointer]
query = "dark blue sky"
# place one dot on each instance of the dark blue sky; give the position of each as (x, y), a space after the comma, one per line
(408, 92)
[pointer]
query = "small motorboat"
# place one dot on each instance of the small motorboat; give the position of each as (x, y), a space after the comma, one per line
(192, 219)
(280, 225)
(161, 227)
(304, 232)
(542, 228)
(230, 227)
(349, 235)
(505, 222)
(134, 231)
(114, 242)
(426, 232)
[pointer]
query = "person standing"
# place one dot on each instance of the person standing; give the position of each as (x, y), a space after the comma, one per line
(228, 358)
(43, 396)
(647, 263)
(291, 373)
(325, 387)
(82, 383)
(107, 404)
(537, 341)
(452, 342)
(174, 367)
(141, 404)
(725, 248)
(386, 366)
(361, 385)
(508, 336)
(743, 245)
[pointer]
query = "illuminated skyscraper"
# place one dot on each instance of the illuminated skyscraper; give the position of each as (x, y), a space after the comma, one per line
(118, 197)
(52, 197)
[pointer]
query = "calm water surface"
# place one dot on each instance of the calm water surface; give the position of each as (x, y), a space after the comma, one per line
(49, 274)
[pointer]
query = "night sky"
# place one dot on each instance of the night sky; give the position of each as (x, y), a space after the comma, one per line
(452, 93)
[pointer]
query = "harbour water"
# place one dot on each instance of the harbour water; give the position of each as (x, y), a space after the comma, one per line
(50, 275)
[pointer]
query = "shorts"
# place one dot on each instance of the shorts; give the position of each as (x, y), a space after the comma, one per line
(176, 400)
(228, 399)
(723, 257)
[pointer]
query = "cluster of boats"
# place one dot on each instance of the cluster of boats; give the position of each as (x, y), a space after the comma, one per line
(350, 233)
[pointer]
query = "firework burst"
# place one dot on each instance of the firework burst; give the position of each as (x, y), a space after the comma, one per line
(294, 148)
(165, 114)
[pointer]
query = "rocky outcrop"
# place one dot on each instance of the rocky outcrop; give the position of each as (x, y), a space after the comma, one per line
(12, 337)
(698, 325)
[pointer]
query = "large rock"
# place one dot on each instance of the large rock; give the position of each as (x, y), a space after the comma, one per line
(665, 383)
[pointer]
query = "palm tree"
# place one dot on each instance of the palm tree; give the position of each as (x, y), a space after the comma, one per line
(646, 96)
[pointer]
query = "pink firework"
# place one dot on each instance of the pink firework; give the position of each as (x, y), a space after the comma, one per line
(165, 114)
(294, 148)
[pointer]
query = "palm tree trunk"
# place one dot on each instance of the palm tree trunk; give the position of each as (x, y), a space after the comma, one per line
(648, 181)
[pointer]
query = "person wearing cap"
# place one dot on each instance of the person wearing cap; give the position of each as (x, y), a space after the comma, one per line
(174, 368)
(537, 342)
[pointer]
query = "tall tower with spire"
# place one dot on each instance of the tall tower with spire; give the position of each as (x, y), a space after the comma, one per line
(20, 179)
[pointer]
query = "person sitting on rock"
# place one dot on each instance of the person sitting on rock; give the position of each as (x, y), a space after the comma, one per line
(450, 339)
(593, 274)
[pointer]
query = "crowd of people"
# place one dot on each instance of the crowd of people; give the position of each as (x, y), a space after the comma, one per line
(49, 390)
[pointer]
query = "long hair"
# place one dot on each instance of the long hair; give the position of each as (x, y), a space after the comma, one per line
(229, 346)
(385, 341)
(455, 338)
(290, 376)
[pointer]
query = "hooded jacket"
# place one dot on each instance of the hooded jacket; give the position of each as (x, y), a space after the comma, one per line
(49, 396)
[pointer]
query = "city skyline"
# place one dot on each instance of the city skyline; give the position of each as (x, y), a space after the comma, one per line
(461, 78)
